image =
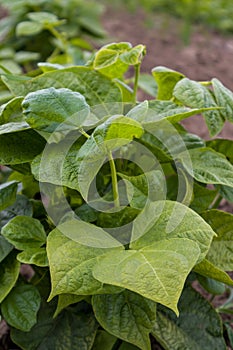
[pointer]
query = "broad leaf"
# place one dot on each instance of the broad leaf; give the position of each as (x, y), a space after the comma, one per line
(167, 219)
(8, 192)
(8, 275)
(28, 28)
(65, 300)
(223, 146)
(212, 286)
(55, 109)
(208, 166)
(208, 269)
(224, 98)
(13, 127)
(33, 256)
(147, 84)
(97, 89)
(24, 232)
(166, 79)
(221, 249)
(149, 271)
(203, 197)
(198, 326)
(75, 328)
(126, 315)
(195, 95)
(20, 307)
(71, 263)
(20, 147)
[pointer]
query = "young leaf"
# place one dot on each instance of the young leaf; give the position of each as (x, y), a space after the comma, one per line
(75, 328)
(24, 232)
(149, 271)
(9, 273)
(126, 315)
(195, 95)
(71, 263)
(166, 79)
(198, 326)
(55, 109)
(20, 307)
(224, 98)
(167, 220)
(7, 194)
(220, 252)
(208, 166)
(20, 147)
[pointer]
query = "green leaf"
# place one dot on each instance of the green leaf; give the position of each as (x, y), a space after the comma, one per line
(8, 275)
(8, 192)
(208, 269)
(224, 98)
(147, 84)
(127, 346)
(198, 326)
(20, 147)
(28, 28)
(71, 263)
(75, 328)
(43, 17)
(195, 95)
(20, 307)
(98, 90)
(117, 131)
(55, 109)
(5, 248)
(24, 232)
(208, 166)
(33, 256)
(13, 127)
(65, 300)
(105, 338)
(150, 270)
(166, 79)
(203, 197)
(211, 286)
(22, 206)
(223, 146)
(167, 220)
(126, 315)
(221, 249)
(11, 111)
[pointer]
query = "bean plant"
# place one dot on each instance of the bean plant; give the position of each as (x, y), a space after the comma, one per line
(112, 205)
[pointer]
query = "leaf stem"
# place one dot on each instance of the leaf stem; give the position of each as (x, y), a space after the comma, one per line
(83, 132)
(135, 88)
(114, 180)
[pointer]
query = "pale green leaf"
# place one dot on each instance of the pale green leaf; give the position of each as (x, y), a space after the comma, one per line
(195, 95)
(28, 28)
(166, 79)
(33, 256)
(43, 17)
(147, 84)
(8, 275)
(150, 270)
(71, 263)
(53, 109)
(20, 307)
(126, 315)
(24, 232)
(13, 127)
(198, 327)
(208, 166)
(8, 192)
(20, 147)
(221, 249)
(224, 98)
(167, 219)
(208, 269)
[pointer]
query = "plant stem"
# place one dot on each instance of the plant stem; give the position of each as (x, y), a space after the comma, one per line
(114, 180)
(135, 88)
(83, 132)
(58, 36)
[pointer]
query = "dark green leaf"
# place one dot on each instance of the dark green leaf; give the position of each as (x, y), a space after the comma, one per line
(126, 315)
(212, 286)
(7, 194)
(5, 248)
(208, 269)
(20, 307)
(65, 300)
(203, 197)
(9, 273)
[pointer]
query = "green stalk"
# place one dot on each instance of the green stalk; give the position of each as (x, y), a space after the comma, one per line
(135, 88)
(58, 36)
(114, 181)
